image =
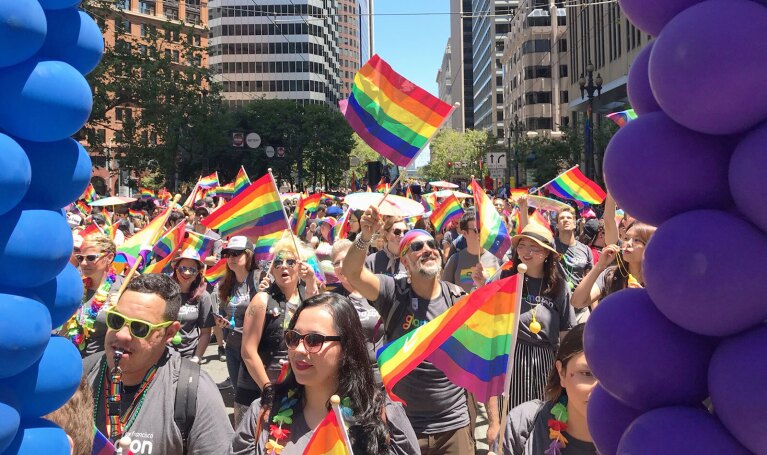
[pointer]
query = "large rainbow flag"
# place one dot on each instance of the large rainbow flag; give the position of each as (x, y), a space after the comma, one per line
(623, 117)
(258, 210)
(241, 181)
(169, 243)
(471, 342)
(449, 210)
(328, 438)
(493, 235)
(391, 114)
(572, 184)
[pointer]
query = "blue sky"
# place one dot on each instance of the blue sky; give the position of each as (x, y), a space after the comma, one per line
(413, 45)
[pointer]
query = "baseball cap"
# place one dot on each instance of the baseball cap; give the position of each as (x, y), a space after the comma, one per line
(238, 243)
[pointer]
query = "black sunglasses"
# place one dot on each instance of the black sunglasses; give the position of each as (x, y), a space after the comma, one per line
(289, 262)
(313, 342)
(419, 244)
(400, 231)
(232, 253)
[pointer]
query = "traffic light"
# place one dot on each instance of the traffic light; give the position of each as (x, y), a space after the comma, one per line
(449, 164)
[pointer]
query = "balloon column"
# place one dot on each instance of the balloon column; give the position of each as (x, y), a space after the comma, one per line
(681, 364)
(46, 48)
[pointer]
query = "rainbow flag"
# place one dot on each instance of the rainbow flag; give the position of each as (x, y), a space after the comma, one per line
(135, 213)
(449, 210)
(537, 217)
(90, 229)
(204, 245)
(215, 273)
(395, 117)
(623, 117)
(314, 263)
(517, 192)
(163, 195)
(572, 184)
(382, 186)
(101, 445)
(312, 203)
(352, 184)
(208, 182)
(225, 190)
(140, 244)
(192, 197)
(241, 181)
(516, 220)
(145, 193)
(493, 235)
(257, 209)
(408, 193)
(429, 202)
(328, 438)
(84, 208)
(264, 244)
(299, 217)
(619, 214)
(166, 248)
(341, 229)
(471, 342)
(89, 195)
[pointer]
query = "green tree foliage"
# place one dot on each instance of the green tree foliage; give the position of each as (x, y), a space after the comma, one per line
(449, 147)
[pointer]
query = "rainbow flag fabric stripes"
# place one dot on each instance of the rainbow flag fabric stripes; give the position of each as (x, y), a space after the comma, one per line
(408, 193)
(341, 228)
(257, 209)
(170, 243)
(623, 117)
(299, 217)
(84, 208)
(204, 245)
(263, 246)
(209, 182)
(89, 195)
(352, 184)
(216, 272)
(328, 438)
(493, 235)
(241, 181)
(146, 193)
(449, 210)
(395, 117)
(382, 186)
(225, 190)
(312, 203)
(429, 202)
(471, 342)
(101, 445)
(572, 184)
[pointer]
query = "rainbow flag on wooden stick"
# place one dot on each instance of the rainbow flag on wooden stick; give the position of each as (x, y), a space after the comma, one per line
(572, 184)
(471, 342)
(89, 195)
(166, 248)
(328, 438)
(209, 182)
(493, 235)
(215, 273)
(449, 210)
(241, 181)
(395, 117)
(204, 245)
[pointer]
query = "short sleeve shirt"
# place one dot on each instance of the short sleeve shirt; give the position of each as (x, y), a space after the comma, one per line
(194, 315)
(553, 312)
(576, 261)
(459, 266)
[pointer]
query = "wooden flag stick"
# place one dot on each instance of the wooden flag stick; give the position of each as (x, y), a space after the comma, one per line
(335, 402)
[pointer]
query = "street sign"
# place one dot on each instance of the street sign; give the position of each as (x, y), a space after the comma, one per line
(497, 174)
(496, 160)
(238, 139)
(269, 151)
(253, 140)
(280, 152)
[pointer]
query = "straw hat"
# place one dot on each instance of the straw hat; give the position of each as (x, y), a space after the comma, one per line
(538, 234)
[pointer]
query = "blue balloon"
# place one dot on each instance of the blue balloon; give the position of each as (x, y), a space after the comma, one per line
(60, 172)
(47, 384)
(15, 173)
(22, 30)
(24, 332)
(35, 245)
(62, 295)
(44, 100)
(9, 425)
(39, 436)
(58, 4)
(73, 37)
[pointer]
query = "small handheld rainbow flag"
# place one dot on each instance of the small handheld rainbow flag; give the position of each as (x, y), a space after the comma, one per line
(204, 245)
(101, 445)
(382, 186)
(623, 117)
(395, 117)
(135, 213)
(89, 195)
(352, 184)
(312, 203)
(449, 210)
(299, 220)
(429, 202)
(537, 217)
(516, 220)
(84, 208)
(166, 248)
(572, 184)
(224, 191)
(241, 181)
(314, 263)
(263, 246)
(163, 195)
(209, 182)
(493, 235)
(408, 193)
(341, 229)
(471, 342)
(329, 437)
(145, 193)
(215, 273)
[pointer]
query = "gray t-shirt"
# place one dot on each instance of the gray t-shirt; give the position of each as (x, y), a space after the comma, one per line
(95, 342)
(379, 263)
(576, 261)
(527, 432)
(554, 313)
(434, 404)
(154, 431)
(193, 316)
(234, 308)
(458, 268)
(402, 440)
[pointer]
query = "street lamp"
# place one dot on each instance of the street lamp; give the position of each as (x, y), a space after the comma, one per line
(516, 128)
(589, 86)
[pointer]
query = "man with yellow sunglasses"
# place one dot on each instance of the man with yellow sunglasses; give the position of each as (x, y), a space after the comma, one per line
(138, 399)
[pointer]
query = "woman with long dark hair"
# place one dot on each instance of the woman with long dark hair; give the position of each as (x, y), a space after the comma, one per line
(196, 314)
(328, 356)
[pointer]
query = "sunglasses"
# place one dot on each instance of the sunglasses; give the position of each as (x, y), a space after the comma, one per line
(419, 244)
(313, 342)
(188, 270)
(232, 253)
(289, 262)
(89, 257)
(138, 328)
(400, 231)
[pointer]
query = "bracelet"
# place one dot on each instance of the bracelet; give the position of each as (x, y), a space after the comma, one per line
(361, 244)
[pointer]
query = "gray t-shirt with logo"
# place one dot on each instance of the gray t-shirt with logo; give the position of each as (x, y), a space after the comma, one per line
(458, 268)
(434, 404)
(553, 312)
(379, 263)
(193, 316)
(154, 431)
(576, 261)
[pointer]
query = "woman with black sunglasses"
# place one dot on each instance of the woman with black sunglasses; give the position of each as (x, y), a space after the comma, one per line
(328, 356)
(195, 314)
(387, 261)
(263, 348)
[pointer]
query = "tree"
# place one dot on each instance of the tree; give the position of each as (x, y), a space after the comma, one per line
(364, 154)
(449, 147)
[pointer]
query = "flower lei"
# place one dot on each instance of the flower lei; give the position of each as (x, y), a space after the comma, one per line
(80, 326)
(557, 425)
(279, 429)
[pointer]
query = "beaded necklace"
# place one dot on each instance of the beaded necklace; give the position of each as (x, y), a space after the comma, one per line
(126, 421)
(81, 325)
(557, 424)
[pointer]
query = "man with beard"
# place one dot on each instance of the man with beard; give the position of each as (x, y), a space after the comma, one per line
(437, 408)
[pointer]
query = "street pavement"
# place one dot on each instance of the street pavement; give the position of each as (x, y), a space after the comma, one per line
(217, 370)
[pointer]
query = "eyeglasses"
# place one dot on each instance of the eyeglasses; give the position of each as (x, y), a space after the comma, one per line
(232, 253)
(138, 328)
(188, 270)
(531, 249)
(419, 244)
(288, 262)
(89, 257)
(400, 231)
(313, 342)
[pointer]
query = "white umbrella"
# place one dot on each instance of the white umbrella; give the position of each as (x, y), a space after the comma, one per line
(443, 184)
(112, 200)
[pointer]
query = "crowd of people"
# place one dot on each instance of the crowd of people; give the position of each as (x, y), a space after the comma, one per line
(291, 340)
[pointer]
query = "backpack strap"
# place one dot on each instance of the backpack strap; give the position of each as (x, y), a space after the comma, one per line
(398, 307)
(185, 405)
(451, 292)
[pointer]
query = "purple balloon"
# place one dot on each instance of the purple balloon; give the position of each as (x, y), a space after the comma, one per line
(704, 82)
(640, 357)
(736, 379)
(677, 430)
(651, 15)
(702, 270)
(654, 168)
(608, 419)
(639, 90)
(747, 169)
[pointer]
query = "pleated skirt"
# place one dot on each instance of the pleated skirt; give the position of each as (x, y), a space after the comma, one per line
(532, 365)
